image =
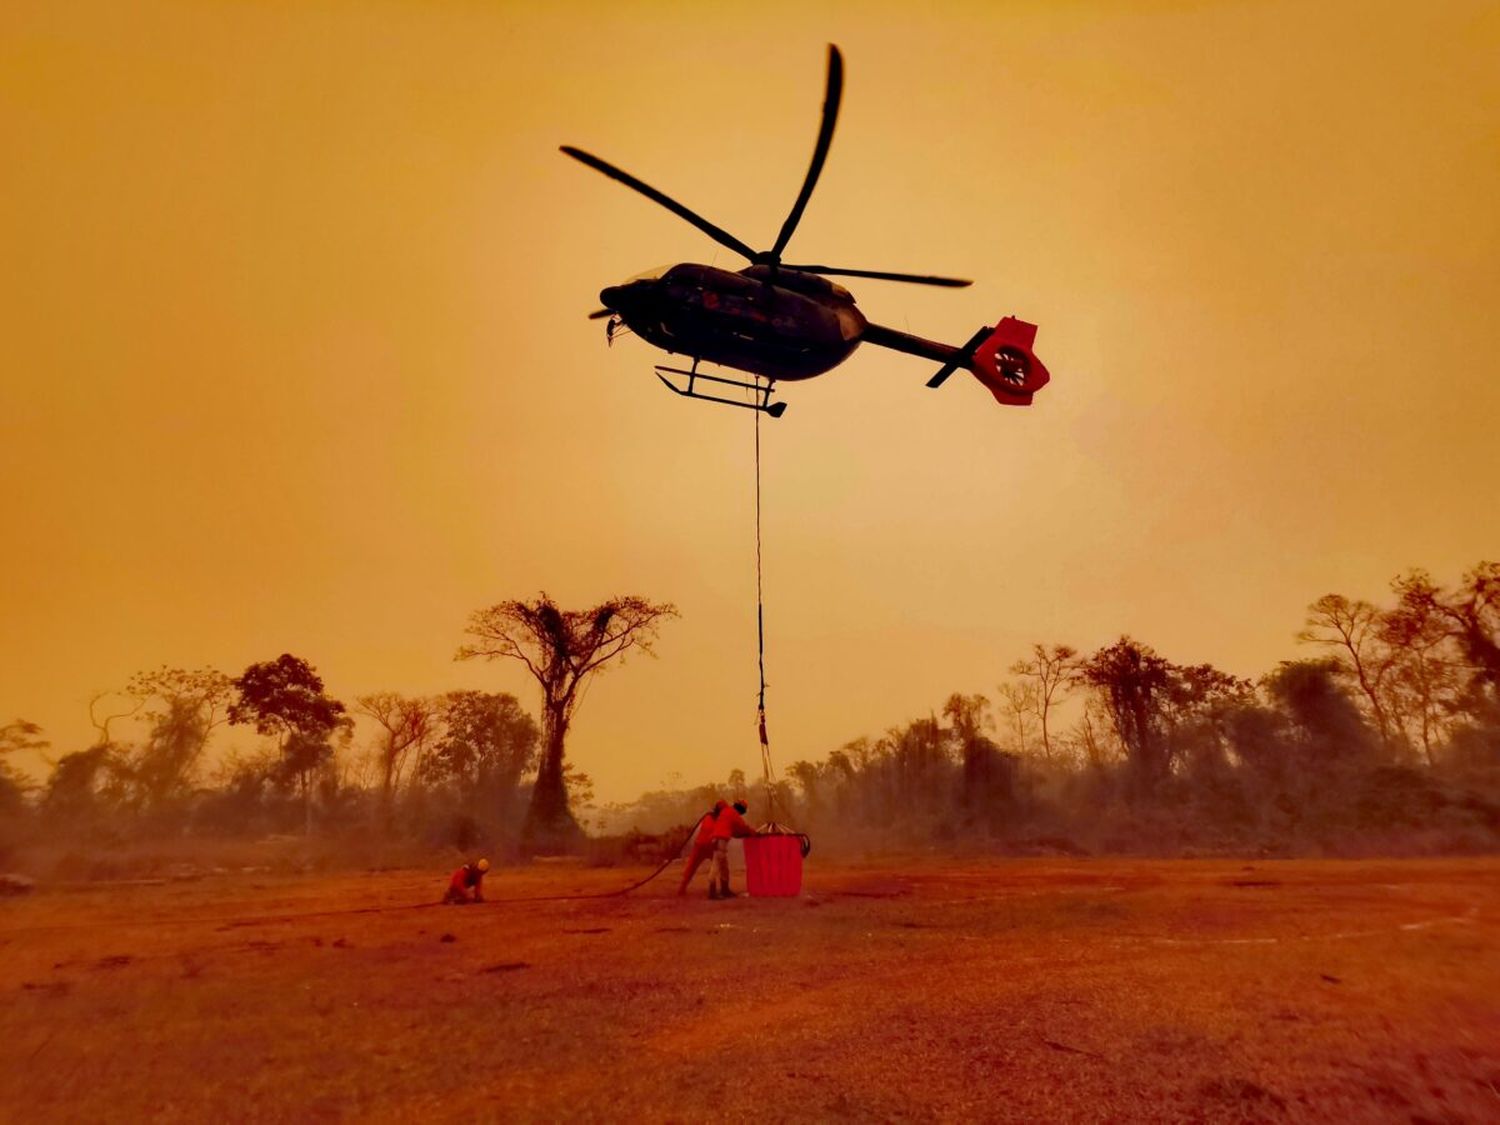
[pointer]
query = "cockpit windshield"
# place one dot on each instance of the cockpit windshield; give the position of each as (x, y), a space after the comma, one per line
(646, 275)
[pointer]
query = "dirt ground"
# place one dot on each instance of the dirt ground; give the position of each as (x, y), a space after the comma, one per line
(926, 989)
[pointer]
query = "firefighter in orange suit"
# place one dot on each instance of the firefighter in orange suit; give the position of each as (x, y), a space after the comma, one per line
(729, 824)
(469, 877)
(703, 847)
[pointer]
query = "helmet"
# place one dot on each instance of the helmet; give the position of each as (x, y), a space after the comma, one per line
(482, 866)
(740, 805)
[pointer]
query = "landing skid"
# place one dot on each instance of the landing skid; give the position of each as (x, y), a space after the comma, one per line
(762, 391)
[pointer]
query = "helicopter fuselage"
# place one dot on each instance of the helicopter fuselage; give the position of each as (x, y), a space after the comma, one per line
(782, 321)
(779, 323)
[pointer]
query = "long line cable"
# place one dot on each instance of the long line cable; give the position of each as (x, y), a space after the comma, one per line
(760, 638)
(760, 601)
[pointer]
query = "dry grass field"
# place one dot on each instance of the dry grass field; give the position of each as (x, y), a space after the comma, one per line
(927, 989)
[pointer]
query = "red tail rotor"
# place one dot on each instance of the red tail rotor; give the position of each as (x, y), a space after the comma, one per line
(1005, 363)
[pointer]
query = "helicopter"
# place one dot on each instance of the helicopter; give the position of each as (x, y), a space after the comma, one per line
(789, 322)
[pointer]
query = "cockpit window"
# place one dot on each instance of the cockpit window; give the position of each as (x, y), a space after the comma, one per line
(647, 275)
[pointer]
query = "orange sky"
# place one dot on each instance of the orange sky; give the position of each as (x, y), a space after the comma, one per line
(292, 301)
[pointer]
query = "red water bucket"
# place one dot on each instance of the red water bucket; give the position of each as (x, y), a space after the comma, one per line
(773, 865)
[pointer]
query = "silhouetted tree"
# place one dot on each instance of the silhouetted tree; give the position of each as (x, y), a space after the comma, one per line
(83, 785)
(809, 778)
(488, 743)
(1019, 708)
(406, 723)
(1091, 738)
(921, 760)
(578, 785)
(106, 707)
(1159, 710)
(285, 698)
(1326, 726)
(1199, 703)
(1133, 682)
(1351, 627)
(182, 708)
(562, 649)
(1051, 669)
(1425, 681)
(987, 785)
(21, 734)
(1470, 614)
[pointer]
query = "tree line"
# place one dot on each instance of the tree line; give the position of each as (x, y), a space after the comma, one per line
(1387, 735)
(459, 767)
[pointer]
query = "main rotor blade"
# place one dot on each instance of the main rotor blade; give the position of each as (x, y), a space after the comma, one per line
(831, 98)
(882, 275)
(718, 234)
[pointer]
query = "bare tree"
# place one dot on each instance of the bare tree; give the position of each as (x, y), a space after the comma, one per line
(1426, 681)
(101, 721)
(1022, 706)
(1354, 626)
(1089, 738)
(1053, 670)
(406, 723)
(562, 650)
(183, 708)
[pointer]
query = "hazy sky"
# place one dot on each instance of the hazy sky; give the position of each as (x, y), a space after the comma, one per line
(292, 300)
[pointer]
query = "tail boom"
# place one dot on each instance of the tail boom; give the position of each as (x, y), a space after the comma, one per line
(1000, 358)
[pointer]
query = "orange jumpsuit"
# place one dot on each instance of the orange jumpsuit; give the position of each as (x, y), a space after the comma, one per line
(728, 824)
(703, 843)
(464, 878)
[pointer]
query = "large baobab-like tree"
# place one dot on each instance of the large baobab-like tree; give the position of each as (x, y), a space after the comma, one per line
(562, 650)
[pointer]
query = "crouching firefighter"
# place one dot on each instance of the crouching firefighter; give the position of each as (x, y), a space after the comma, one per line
(469, 877)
